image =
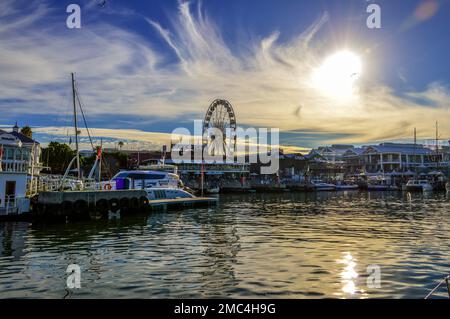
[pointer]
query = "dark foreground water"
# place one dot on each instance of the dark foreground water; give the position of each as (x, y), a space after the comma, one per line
(257, 245)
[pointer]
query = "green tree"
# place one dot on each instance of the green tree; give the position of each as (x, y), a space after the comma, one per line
(57, 157)
(121, 145)
(26, 130)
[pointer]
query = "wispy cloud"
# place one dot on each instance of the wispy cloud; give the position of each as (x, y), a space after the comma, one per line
(122, 73)
(133, 139)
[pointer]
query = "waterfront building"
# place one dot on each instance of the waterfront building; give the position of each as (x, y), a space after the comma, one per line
(15, 165)
(353, 161)
(223, 175)
(399, 158)
(327, 162)
(333, 154)
(19, 152)
(293, 167)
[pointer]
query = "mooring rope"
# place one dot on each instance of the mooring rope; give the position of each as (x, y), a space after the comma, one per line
(446, 280)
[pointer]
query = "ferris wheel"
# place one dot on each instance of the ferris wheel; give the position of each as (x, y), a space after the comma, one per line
(219, 121)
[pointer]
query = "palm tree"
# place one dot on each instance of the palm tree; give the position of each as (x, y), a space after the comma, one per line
(120, 145)
(26, 130)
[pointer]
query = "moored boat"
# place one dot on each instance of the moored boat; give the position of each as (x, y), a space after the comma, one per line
(319, 185)
(415, 185)
(157, 184)
(346, 186)
(213, 190)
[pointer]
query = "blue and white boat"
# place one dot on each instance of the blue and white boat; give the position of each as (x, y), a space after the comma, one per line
(415, 185)
(157, 184)
(322, 186)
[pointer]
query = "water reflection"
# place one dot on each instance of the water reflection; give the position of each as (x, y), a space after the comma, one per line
(289, 245)
(348, 274)
(13, 237)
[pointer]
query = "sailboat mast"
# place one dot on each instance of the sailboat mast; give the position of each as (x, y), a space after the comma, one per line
(437, 146)
(414, 153)
(76, 127)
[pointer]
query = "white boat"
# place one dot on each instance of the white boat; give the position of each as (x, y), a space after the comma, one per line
(418, 185)
(157, 184)
(322, 186)
(213, 190)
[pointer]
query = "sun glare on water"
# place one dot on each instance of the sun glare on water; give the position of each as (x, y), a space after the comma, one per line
(337, 75)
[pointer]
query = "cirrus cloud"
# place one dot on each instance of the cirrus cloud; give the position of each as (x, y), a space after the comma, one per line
(122, 73)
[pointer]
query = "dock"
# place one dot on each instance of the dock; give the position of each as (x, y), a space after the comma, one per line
(91, 204)
(95, 204)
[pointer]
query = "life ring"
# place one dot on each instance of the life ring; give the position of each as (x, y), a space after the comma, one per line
(107, 187)
(143, 202)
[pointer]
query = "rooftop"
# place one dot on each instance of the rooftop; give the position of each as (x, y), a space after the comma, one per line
(23, 138)
(398, 148)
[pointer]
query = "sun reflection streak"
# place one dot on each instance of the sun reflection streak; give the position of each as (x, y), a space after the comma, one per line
(349, 274)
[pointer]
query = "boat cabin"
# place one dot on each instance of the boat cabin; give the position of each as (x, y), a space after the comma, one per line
(145, 179)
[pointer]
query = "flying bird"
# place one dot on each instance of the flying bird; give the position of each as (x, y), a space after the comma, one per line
(298, 111)
(102, 3)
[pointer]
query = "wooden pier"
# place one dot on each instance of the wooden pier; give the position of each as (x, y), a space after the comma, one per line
(95, 204)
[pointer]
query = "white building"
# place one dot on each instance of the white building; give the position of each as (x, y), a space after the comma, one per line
(19, 158)
(19, 153)
(398, 157)
(333, 154)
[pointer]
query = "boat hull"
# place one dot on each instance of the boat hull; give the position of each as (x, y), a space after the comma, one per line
(346, 187)
(324, 188)
(418, 188)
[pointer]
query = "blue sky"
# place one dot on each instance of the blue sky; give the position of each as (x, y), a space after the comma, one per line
(145, 68)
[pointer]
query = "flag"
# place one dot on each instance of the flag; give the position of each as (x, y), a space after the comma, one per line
(99, 152)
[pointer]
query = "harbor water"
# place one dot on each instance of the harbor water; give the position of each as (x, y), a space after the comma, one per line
(289, 245)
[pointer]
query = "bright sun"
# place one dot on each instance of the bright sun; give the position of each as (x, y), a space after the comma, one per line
(337, 75)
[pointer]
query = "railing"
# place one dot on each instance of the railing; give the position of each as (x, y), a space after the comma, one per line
(53, 183)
